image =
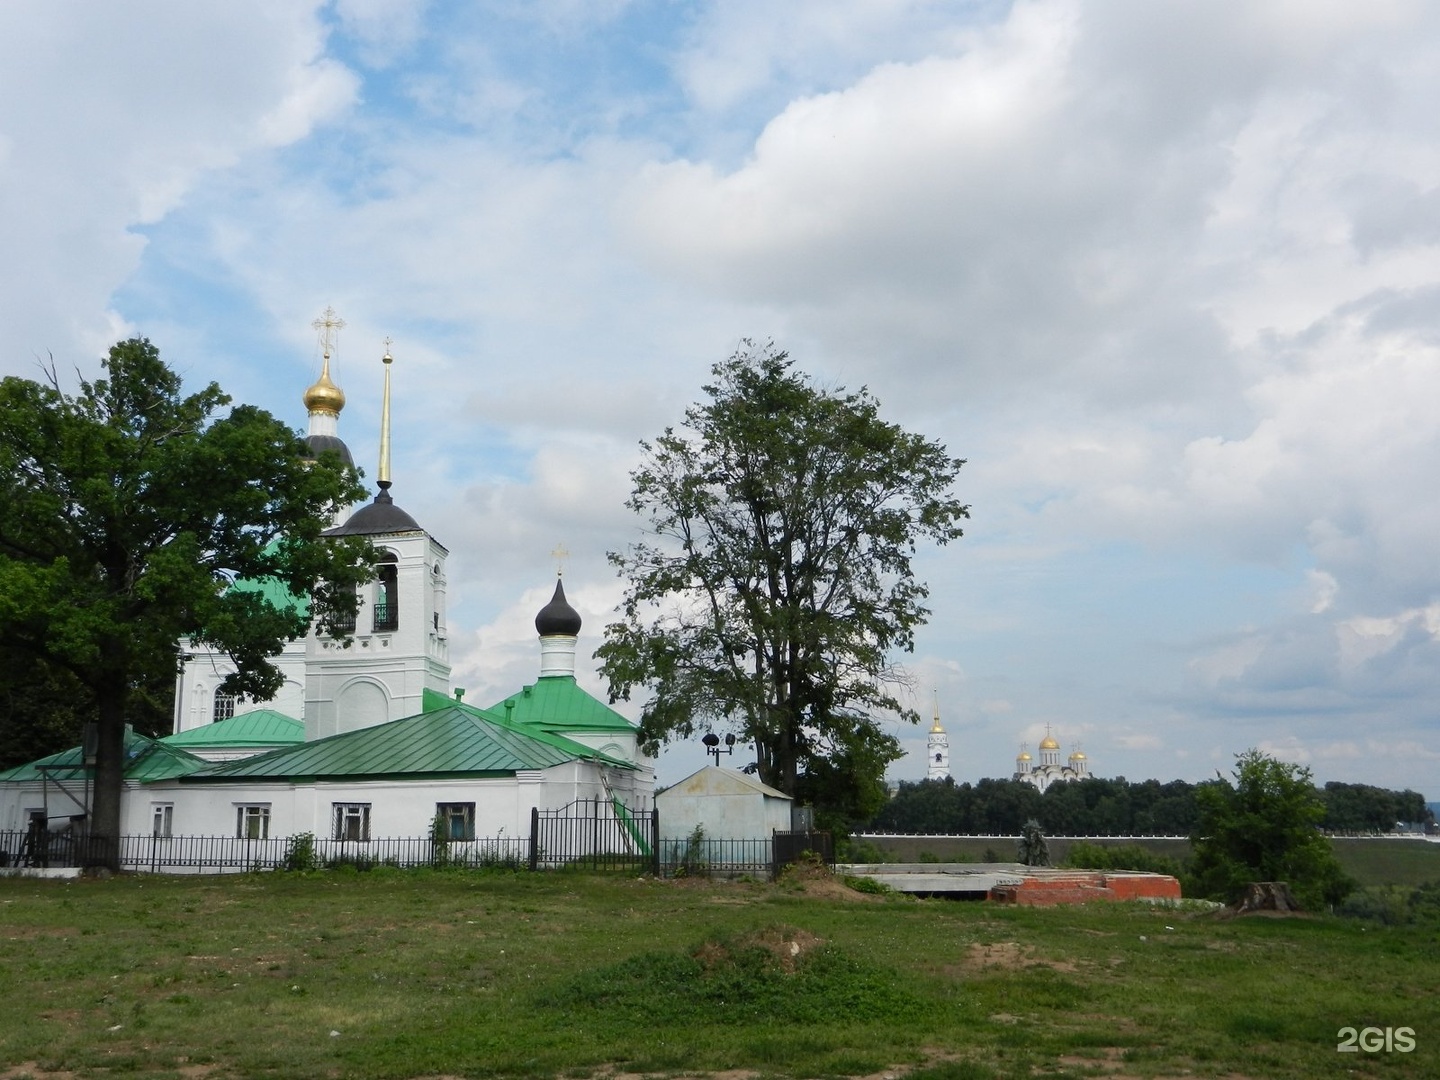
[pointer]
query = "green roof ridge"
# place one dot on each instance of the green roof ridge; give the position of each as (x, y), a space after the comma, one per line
(559, 703)
(258, 727)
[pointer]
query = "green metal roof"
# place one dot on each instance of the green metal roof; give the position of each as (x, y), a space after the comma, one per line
(259, 727)
(145, 759)
(556, 703)
(274, 592)
(456, 740)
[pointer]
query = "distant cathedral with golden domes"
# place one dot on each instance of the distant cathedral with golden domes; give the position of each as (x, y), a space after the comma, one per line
(1050, 771)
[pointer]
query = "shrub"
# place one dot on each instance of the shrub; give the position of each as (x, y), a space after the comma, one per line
(1084, 855)
(692, 859)
(300, 852)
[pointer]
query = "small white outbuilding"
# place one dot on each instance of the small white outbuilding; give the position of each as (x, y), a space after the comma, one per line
(726, 803)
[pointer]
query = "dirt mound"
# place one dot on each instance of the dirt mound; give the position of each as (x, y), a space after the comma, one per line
(787, 945)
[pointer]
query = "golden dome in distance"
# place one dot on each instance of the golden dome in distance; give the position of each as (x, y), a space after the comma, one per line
(1049, 743)
(1023, 756)
(1077, 756)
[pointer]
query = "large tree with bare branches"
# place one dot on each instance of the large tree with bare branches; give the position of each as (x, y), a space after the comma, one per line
(126, 511)
(778, 587)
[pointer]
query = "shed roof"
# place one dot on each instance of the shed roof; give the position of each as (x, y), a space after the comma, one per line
(717, 780)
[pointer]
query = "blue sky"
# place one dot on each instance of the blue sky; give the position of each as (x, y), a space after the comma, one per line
(1165, 275)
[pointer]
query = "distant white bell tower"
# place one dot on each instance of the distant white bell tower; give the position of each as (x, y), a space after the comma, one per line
(937, 749)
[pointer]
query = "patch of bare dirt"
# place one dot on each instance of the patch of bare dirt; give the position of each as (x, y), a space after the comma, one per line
(1009, 956)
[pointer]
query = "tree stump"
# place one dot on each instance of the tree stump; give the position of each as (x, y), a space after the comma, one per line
(1266, 896)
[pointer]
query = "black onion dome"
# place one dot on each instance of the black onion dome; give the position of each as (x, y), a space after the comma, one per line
(379, 518)
(558, 617)
(318, 444)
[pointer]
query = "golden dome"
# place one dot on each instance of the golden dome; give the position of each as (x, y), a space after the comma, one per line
(1022, 756)
(1077, 756)
(1049, 743)
(325, 396)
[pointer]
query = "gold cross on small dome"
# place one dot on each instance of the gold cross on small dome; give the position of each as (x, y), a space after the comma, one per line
(559, 555)
(329, 325)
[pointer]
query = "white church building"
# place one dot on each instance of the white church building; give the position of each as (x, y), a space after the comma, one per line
(1050, 770)
(366, 738)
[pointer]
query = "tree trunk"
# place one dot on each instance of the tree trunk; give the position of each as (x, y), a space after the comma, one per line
(1266, 896)
(102, 849)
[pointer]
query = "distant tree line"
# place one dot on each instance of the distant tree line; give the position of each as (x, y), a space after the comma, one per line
(1111, 807)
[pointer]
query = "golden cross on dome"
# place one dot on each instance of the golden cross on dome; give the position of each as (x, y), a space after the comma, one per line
(559, 555)
(329, 325)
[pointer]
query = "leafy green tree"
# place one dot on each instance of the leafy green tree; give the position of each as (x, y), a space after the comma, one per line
(1264, 827)
(125, 511)
(1003, 806)
(927, 806)
(44, 708)
(780, 583)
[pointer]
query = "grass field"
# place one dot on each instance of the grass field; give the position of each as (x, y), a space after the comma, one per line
(435, 974)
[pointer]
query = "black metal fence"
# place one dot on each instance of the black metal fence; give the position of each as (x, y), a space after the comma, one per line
(590, 833)
(224, 854)
(791, 847)
(715, 858)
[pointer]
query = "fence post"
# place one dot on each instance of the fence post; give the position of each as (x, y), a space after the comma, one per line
(655, 841)
(534, 837)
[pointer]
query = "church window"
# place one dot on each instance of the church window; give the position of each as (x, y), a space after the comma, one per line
(224, 707)
(457, 820)
(387, 595)
(352, 821)
(252, 821)
(163, 816)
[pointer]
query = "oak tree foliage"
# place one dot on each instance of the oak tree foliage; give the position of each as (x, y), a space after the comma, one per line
(777, 585)
(127, 510)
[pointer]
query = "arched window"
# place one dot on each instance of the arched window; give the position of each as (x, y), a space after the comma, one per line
(224, 707)
(387, 594)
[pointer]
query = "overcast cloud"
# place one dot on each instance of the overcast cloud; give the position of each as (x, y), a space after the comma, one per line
(1165, 274)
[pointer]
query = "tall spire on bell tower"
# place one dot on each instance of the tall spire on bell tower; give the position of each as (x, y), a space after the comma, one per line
(382, 478)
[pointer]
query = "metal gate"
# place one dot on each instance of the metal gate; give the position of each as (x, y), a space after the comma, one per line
(597, 834)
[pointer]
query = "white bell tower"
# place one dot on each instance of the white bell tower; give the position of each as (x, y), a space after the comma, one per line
(937, 749)
(399, 647)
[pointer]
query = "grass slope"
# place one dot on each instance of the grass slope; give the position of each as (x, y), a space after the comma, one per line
(431, 974)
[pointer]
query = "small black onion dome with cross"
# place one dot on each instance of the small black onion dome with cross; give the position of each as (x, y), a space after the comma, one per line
(557, 617)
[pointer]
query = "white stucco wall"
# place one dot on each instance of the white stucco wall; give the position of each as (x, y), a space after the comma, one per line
(725, 808)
